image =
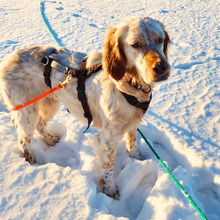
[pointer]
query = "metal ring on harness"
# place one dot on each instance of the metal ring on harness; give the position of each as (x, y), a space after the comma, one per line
(148, 91)
(45, 60)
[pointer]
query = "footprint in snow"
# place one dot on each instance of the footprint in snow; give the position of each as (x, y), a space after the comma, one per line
(93, 25)
(60, 8)
(187, 65)
(77, 15)
(216, 58)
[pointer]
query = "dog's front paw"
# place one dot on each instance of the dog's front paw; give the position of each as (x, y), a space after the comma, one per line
(136, 155)
(133, 153)
(113, 193)
(109, 189)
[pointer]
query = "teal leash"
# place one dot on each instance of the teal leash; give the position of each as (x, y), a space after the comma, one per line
(182, 189)
(47, 26)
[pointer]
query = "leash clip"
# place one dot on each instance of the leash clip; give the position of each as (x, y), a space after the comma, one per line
(67, 80)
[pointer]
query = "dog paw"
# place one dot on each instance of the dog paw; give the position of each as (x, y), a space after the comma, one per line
(136, 155)
(29, 157)
(133, 153)
(51, 140)
(109, 189)
(113, 193)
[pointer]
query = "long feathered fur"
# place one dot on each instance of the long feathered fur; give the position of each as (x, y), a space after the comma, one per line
(134, 58)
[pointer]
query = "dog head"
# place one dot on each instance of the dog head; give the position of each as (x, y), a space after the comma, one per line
(137, 49)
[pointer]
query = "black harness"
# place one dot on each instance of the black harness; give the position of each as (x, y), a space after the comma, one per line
(82, 75)
(133, 101)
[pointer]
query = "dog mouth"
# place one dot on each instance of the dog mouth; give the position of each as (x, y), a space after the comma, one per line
(162, 77)
(140, 86)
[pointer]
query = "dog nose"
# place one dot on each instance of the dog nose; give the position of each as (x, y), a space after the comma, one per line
(161, 67)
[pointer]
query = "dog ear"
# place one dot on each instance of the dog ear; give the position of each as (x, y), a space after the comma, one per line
(166, 43)
(113, 59)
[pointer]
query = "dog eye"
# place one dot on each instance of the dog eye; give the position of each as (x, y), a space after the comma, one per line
(136, 45)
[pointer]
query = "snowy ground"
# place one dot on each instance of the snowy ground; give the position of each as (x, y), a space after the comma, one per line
(183, 121)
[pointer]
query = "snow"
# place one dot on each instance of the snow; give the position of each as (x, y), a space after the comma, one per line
(182, 123)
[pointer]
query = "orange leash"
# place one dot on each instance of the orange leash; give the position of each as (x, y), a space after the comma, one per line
(59, 86)
(37, 98)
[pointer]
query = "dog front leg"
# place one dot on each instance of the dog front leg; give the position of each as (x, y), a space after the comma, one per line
(107, 154)
(131, 143)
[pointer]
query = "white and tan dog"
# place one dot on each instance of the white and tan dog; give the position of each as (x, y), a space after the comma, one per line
(134, 57)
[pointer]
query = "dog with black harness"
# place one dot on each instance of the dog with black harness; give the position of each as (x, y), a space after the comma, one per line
(112, 89)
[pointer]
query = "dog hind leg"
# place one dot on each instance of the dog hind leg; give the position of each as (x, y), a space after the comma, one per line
(49, 139)
(26, 123)
(47, 110)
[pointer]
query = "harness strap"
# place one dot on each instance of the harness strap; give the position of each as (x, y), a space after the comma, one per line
(81, 92)
(47, 62)
(133, 101)
(82, 75)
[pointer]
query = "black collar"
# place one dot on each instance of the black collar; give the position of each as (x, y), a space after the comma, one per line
(133, 101)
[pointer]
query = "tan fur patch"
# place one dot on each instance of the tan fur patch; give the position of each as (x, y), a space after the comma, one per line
(113, 59)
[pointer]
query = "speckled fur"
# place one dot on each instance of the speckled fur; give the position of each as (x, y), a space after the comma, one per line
(21, 79)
